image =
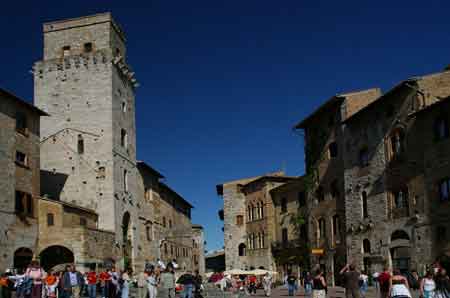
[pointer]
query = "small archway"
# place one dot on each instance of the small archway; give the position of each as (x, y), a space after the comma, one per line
(126, 239)
(241, 249)
(55, 255)
(22, 257)
(399, 235)
(400, 250)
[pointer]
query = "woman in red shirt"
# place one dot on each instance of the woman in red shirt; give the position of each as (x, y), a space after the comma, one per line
(92, 283)
(105, 281)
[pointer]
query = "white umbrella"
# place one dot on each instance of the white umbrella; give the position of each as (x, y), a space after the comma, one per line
(258, 272)
(236, 272)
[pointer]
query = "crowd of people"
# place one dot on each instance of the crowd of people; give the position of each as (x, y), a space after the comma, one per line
(35, 282)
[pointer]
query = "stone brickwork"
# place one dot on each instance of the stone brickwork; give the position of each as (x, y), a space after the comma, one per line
(198, 253)
(384, 227)
(18, 228)
(85, 85)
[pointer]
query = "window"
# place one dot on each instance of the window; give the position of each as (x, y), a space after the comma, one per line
(164, 222)
(124, 106)
(149, 232)
(241, 249)
(253, 212)
(283, 205)
(401, 198)
(83, 221)
(258, 210)
(147, 194)
(366, 246)
(170, 223)
(239, 220)
(125, 180)
(365, 211)
(262, 210)
(66, 50)
(397, 142)
(363, 157)
(21, 158)
(24, 204)
(284, 235)
(320, 194)
(441, 129)
(249, 213)
(21, 123)
(123, 138)
(80, 145)
(321, 229)
(165, 248)
(335, 225)
(441, 234)
(444, 190)
(301, 199)
(333, 150)
(88, 47)
(334, 189)
(50, 219)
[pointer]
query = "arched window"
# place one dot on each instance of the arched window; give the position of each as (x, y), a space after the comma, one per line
(441, 129)
(125, 180)
(253, 212)
(397, 140)
(123, 138)
(365, 210)
(321, 229)
(334, 189)
(262, 210)
(366, 246)
(283, 205)
(249, 213)
(241, 249)
(50, 219)
(80, 146)
(399, 234)
(258, 210)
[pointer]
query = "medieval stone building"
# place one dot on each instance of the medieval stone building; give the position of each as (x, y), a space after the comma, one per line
(396, 176)
(19, 180)
(98, 204)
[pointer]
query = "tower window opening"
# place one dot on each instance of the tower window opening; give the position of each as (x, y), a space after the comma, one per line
(88, 47)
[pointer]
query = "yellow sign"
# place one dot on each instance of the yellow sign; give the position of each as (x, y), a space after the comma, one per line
(317, 251)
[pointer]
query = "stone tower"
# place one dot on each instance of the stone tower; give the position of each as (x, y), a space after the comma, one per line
(89, 140)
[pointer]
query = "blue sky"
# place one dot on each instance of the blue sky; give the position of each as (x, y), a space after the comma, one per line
(223, 82)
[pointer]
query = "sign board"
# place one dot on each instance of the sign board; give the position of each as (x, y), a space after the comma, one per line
(317, 251)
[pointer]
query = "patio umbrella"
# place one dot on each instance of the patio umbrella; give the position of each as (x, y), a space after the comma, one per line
(236, 272)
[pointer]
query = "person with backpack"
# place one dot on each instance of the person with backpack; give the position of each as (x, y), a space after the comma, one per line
(319, 285)
(384, 282)
(291, 282)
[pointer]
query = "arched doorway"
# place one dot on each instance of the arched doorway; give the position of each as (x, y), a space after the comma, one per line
(241, 250)
(400, 250)
(22, 257)
(55, 255)
(126, 240)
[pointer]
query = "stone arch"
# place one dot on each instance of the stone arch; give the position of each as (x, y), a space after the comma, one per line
(55, 255)
(22, 257)
(241, 250)
(399, 235)
(126, 240)
(400, 250)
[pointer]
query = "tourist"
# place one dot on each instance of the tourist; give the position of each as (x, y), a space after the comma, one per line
(375, 276)
(19, 280)
(291, 283)
(167, 282)
(198, 284)
(73, 282)
(442, 284)
(125, 281)
(384, 282)
(161, 264)
(267, 284)
(152, 283)
(427, 285)
(105, 283)
(308, 284)
(187, 280)
(114, 287)
(51, 283)
(62, 293)
(351, 281)
(91, 280)
(252, 284)
(5, 286)
(319, 285)
(399, 286)
(36, 274)
(142, 282)
(363, 284)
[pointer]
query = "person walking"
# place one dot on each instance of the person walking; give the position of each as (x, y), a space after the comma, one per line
(105, 283)
(73, 282)
(427, 285)
(308, 284)
(142, 283)
(5, 285)
(125, 280)
(51, 284)
(291, 283)
(442, 284)
(319, 285)
(91, 279)
(267, 283)
(37, 275)
(187, 280)
(114, 287)
(252, 284)
(399, 286)
(167, 282)
(351, 281)
(363, 284)
(152, 283)
(198, 284)
(384, 282)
